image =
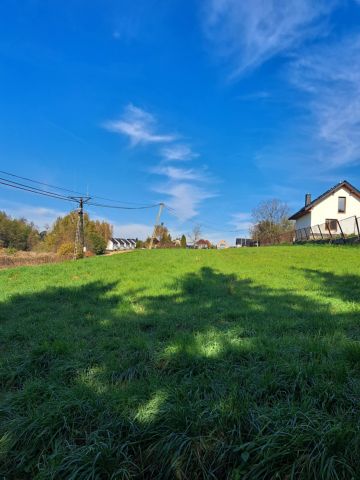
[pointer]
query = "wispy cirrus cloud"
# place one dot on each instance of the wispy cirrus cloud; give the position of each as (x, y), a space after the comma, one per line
(178, 152)
(241, 221)
(132, 230)
(176, 173)
(40, 216)
(248, 33)
(184, 198)
(139, 126)
(330, 76)
(181, 185)
(184, 195)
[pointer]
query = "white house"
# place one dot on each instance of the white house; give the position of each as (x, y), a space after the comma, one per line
(222, 245)
(334, 210)
(121, 244)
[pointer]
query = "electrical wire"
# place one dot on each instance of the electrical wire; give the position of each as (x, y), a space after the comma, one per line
(30, 189)
(69, 190)
(40, 183)
(123, 208)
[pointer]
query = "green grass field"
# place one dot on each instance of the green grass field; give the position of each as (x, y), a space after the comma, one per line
(239, 364)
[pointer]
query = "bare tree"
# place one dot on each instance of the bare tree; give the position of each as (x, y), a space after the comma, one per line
(195, 234)
(270, 222)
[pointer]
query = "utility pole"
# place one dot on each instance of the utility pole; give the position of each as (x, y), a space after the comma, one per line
(157, 222)
(79, 246)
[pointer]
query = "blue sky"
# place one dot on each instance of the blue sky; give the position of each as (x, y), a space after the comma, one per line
(209, 106)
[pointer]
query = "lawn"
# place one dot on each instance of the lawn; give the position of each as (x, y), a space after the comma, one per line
(239, 364)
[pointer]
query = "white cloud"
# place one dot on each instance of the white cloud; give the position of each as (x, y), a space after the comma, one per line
(175, 173)
(184, 198)
(178, 152)
(132, 230)
(241, 221)
(251, 32)
(140, 126)
(330, 75)
(40, 216)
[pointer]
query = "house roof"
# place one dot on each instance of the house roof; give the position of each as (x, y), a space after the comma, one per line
(123, 241)
(202, 242)
(307, 208)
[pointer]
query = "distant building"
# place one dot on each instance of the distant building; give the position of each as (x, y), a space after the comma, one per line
(245, 242)
(222, 245)
(121, 244)
(202, 244)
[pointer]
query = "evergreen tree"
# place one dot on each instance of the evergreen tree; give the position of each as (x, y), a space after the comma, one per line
(183, 241)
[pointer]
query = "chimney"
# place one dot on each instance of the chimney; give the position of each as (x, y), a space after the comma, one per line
(307, 199)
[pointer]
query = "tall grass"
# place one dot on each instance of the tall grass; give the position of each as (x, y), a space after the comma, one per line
(238, 364)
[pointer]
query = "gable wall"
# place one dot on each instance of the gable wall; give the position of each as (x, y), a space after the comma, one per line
(328, 208)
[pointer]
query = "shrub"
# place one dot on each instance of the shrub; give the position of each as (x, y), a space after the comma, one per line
(10, 250)
(97, 243)
(66, 249)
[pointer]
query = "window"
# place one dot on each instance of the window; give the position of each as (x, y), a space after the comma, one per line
(331, 224)
(342, 204)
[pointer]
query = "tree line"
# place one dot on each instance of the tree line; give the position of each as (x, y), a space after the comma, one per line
(20, 234)
(270, 225)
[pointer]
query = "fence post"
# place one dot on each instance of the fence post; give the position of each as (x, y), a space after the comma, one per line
(312, 233)
(328, 227)
(357, 226)
(322, 238)
(342, 233)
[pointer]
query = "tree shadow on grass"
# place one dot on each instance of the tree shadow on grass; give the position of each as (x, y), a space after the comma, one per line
(219, 378)
(343, 286)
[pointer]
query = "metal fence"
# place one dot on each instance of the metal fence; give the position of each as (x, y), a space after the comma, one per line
(346, 230)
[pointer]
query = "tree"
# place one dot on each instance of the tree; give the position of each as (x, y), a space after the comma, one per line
(17, 233)
(195, 235)
(96, 243)
(271, 224)
(162, 238)
(64, 229)
(183, 241)
(162, 233)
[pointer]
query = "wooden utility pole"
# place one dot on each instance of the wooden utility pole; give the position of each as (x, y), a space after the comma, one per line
(157, 222)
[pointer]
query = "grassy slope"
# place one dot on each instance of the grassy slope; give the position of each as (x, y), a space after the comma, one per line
(183, 364)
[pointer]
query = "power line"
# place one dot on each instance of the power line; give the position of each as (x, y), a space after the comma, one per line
(40, 183)
(68, 190)
(124, 208)
(120, 201)
(30, 189)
